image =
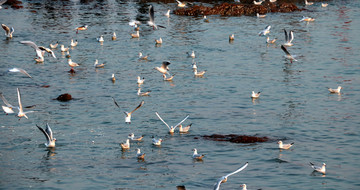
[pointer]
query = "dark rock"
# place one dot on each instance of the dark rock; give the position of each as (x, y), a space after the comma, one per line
(15, 4)
(236, 138)
(64, 97)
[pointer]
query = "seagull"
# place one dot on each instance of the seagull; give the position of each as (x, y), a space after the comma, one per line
(8, 109)
(260, 16)
(84, 27)
(48, 135)
(139, 93)
(156, 142)
(192, 54)
(257, 2)
(199, 74)
(126, 145)
(168, 79)
(167, 13)
(268, 41)
(223, 179)
(63, 49)
(39, 53)
(206, 19)
(47, 50)
(180, 4)
(288, 55)
(21, 112)
(73, 43)
(231, 37)
(151, 22)
(113, 36)
(321, 169)
(134, 23)
(113, 79)
(136, 35)
(20, 71)
(324, 4)
(271, 1)
(284, 146)
(307, 19)
(265, 31)
(8, 32)
(194, 66)
(255, 95)
(100, 39)
(68, 54)
(72, 65)
(140, 81)
(244, 185)
(53, 46)
(141, 57)
(196, 155)
(171, 129)
(2, 2)
(133, 138)
(184, 129)
(139, 155)
(164, 67)
(158, 41)
(337, 90)
(99, 65)
(308, 3)
(128, 114)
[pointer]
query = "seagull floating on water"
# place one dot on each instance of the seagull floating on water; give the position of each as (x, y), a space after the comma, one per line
(139, 155)
(288, 38)
(270, 41)
(139, 93)
(133, 138)
(199, 74)
(196, 155)
(54, 46)
(231, 37)
(284, 146)
(257, 2)
(156, 142)
(8, 109)
(180, 4)
(337, 90)
(192, 54)
(223, 179)
(128, 114)
(73, 43)
(63, 49)
(260, 16)
(126, 145)
(167, 13)
(324, 4)
(171, 129)
(321, 169)
(84, 27)
(140, 81)
(307, 19)
(48, 135)
(308, 3)
(288, 55)
(158, 41)
(113, 36)
(20, 71)
(8, 32)
(113, 79)
(184, 129)
(265, 31)
(244, 185)
(255, 95)
(136, 35)
(99, 65)
(164, 67)
(168, 78)
(142, 57)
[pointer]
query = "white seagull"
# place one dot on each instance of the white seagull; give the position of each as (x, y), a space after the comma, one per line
(164, 67)
(337, 90)
(8, 32)
(20, 71)
(73, 43)
(244, 185)
(199, 74)
(284, 146)
(321, 169)
(192, 54)
(308, 3)
(133, 138)
(8, 109)
(167, 14)
(48, 135)
(268, 41)
(156, 142)
(260, 16)
(223, 179)
(126, 145)
(257, 2)
(39, 53)
(100, 39)
(288, 38)
(139, 155)
(196, 155)
(47, 50)
(307, 19)
(63, 49)
(288, 55)
(54, 46)
(21, 112)
(140, 81)
(255, 95)
(128, 114)
(265, 31)
(165, 78)
(113, 36)
(184, 129)
(151, 22)
(99, 65)
(139, 93)
(171, 129)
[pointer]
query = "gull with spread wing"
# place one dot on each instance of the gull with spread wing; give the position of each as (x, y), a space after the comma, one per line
(171, 129)
(223, 179)
(48, 135)
(21, 112)
(289, 38)
(128, 114)
(8, 109)
(8, 32)
(38, 51)
(20, 71)
(151, 22)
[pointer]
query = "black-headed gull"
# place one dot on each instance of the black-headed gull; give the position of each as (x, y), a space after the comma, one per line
(99, 65)
(308, 3)
(255, 95)
(167, 14)
(223, 179)
(142, 57)
(288, 55)
(73, 43)
(196, 155)
(20, 71)
(184, 129)
(47, 50)
(48, 135)
(257, 2)
(21, 111)
(260, 16)
(128, 114)
(8, 109)
(8, 32)
(139, 93)
(100, 39)
(321, 169)
(84, 27)
(39, 52)
(231, 37)
(140, 80)
(136, 35)
(284, 146)
(151, 22)
(172, 128)
(63, 49)
(133, 138)
(199, 74)
(192, 54)
(126, 145)
(72, 65)
(156, 142)
(324, 4)
(113, 36)
(158, 41)
(54, 46)
(139, 155)
(337, 90)
(265, 31)
(164, 67)
(307, 19)
(288, 38)
(113, 79)
(268, 41)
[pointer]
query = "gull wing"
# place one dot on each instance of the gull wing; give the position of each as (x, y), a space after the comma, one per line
(268, 27)
(19, 99)
(2, 2)
(5, 101)
(115, 102)
(182, 121)
(217, 184)
(141, 103)
(45, 133)
(286, 36)
(285, 50)
(20, 70)
(291, 36)
(49, 131)
(33, 45)
(6, 28)
(238, 170)
(151, 14)
(162, 120)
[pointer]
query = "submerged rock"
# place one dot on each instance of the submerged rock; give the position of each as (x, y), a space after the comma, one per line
(232, 9)
(64, 97)
(236, 138)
